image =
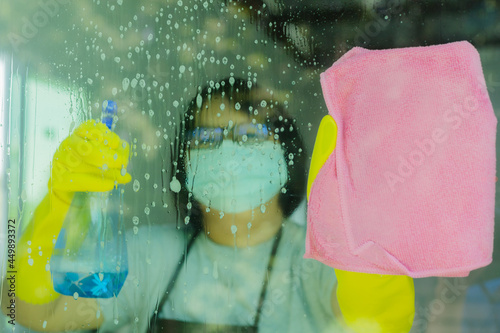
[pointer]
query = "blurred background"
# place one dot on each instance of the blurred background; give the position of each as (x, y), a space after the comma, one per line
(60, 59)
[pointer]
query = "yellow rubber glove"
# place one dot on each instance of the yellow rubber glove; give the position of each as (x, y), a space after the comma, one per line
(92, 159)
(370, 303)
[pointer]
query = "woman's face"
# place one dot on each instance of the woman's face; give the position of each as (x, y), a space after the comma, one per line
(234, 163)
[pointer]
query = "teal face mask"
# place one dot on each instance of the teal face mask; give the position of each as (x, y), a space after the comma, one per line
(235, 178)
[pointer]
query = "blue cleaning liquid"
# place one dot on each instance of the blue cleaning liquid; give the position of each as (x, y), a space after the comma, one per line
(94, 285)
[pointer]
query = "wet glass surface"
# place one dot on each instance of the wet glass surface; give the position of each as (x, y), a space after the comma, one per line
(59, 60)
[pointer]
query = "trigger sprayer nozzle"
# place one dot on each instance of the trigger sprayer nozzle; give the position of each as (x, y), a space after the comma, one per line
(109, 111)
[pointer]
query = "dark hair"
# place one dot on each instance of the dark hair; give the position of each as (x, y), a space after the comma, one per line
(250, 97)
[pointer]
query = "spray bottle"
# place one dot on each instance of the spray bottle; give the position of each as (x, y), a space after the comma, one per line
(90, 254)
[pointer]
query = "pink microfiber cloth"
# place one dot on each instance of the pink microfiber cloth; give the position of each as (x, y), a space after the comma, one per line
(410, 186)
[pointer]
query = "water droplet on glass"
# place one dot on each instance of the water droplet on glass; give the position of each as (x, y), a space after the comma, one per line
(135, 220)
(75, 295)
(146, 210)
(234, 229)
(30, 261)
(263, 208)
(125, 83)
(136, 230)
(136, 186)
(175, 185)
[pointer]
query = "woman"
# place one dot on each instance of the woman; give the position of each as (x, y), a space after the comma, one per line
(237, 265)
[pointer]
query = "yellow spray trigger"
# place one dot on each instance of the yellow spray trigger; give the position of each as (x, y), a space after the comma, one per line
(325, 143)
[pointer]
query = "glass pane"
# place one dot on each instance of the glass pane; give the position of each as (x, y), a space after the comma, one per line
(219, 104)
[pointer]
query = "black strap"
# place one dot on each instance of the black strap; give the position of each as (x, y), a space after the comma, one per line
(267, 277)
(176, 326)
(173, 279)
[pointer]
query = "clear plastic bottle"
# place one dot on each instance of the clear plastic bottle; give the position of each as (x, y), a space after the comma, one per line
(90, 254)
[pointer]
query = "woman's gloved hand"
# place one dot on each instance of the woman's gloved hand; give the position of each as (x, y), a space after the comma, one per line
(376, 303)
(92, 159)
(370, 303)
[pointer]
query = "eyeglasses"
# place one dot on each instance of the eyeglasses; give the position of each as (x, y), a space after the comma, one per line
(212, 137)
